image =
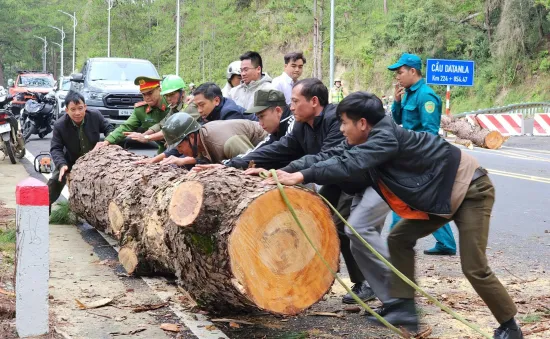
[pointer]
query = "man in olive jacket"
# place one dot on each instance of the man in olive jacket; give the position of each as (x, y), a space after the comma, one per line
(74, 134)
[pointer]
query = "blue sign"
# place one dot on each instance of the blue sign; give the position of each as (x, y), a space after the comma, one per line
(450, 72)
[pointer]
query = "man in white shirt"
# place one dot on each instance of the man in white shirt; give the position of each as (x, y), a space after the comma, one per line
(294, 66)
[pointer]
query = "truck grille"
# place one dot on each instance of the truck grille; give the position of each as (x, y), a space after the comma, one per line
(122, 100)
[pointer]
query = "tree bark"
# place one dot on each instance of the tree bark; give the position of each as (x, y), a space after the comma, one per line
(230, 240)
(481, 137)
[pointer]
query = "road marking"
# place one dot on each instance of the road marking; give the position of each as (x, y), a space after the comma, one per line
(520, 176)
(195, 322)
(509, 154)
(528, 149)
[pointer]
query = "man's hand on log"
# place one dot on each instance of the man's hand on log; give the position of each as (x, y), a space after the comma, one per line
(173, 160)
(62, 172)
(101, 144)
(136, 136)
(200, 168)
(254, 171)
(285, 178)
(144, 161)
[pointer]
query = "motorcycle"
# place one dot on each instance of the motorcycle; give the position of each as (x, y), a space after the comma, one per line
(37, 117)
(12, 143)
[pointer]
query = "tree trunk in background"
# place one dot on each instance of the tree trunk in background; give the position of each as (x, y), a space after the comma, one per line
(385, 6)
(315, 40)
(2, 83)
(481, 137)
(320, 41)
(228, 238)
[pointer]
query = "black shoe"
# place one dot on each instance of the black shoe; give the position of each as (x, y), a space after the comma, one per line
(508, 333)
(401, 312)
(363, 291)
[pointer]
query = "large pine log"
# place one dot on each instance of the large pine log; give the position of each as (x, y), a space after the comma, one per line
(229, 239)
(481, 137)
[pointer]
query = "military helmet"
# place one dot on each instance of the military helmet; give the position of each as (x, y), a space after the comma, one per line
(234, 68)
(171, 84)
(178, 127)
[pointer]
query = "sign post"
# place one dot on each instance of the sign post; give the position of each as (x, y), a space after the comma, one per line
(450, 73)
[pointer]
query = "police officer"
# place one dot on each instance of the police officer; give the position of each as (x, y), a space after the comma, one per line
(146, 114)
(337, 92)
(418, 108)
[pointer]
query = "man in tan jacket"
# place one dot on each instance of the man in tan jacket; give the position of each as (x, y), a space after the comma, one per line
(189, 143)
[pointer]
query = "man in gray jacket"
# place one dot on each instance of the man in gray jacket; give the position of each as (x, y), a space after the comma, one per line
(252, 80)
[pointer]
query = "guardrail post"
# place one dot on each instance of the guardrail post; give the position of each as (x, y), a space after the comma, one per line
(33, 262)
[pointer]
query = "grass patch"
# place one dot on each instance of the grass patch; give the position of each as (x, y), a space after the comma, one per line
(62, 214)
(7, 240)
(531, 318)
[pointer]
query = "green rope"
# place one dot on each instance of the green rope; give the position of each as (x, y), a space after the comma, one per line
(379, 256)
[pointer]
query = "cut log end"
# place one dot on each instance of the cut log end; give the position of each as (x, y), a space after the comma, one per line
(129, 260)
(271, 258)
(493, 140)
(116, 220)
(186, 203)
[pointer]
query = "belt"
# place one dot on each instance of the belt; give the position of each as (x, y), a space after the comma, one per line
(480, 172)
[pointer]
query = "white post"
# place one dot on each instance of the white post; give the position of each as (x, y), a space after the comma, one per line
(331, 43)
(109, 29)
(448, 101)
(75, 22)
(33, 262)
(178, 38)
(43, 52)
(62, 39)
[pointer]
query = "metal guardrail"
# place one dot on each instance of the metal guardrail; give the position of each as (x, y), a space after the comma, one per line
(526, 109)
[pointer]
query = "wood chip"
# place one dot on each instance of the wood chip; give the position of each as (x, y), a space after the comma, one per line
(141, 329)
(9, 294)
(170, 327)
(211, 328)
(352, 309)
(424, 334)
(227, 320)
(150, 307)
(234, 325)
(326, 314)
(94, 304)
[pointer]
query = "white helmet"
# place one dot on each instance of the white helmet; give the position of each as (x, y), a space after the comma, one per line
(234, 68)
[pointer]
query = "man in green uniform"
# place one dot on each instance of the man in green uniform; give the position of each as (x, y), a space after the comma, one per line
(173, 90)
(146, 114)
(337, 92)
(418, 108)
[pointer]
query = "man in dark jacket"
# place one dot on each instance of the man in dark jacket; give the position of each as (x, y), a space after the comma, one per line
(316, 129)
(212, 105)
(427, 181)
(74, 134)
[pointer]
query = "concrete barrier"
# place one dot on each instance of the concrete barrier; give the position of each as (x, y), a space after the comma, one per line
(32, 253)
(515, 124)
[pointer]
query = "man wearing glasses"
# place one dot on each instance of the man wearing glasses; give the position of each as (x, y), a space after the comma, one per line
(253, 79)
(146, 114)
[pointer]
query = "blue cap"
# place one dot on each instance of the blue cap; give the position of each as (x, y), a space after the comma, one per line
(407, 59)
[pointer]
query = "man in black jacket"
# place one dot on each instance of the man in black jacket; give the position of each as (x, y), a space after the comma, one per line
(74, 134)
(426, 181)
(212, 105)
(316, 129)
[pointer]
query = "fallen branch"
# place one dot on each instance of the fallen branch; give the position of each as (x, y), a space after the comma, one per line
(520, 279)
(227, 320)
(535, 330)
(61, 333)
(326, 314)
(424, 334)
(145, 308)
(99, 315)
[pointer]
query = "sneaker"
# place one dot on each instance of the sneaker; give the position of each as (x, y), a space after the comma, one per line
(363, 291)
(508, 333)
(401, 312)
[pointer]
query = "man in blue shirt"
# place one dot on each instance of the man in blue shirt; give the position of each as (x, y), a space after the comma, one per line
(418, 108)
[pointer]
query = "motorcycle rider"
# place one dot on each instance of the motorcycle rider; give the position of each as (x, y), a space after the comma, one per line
(233, 76)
